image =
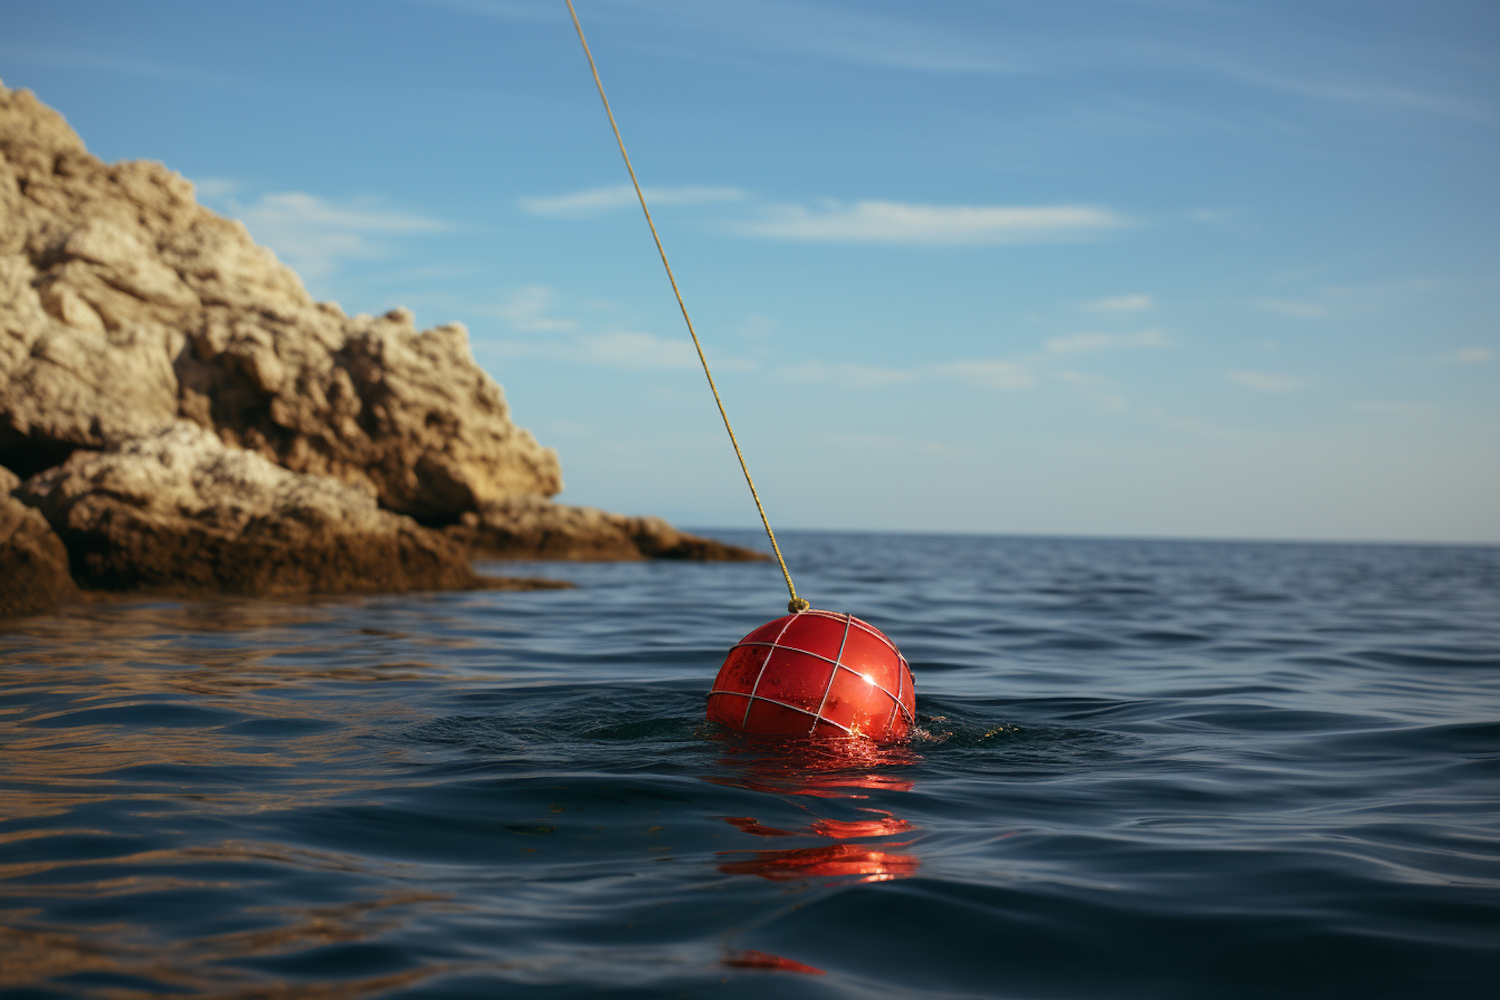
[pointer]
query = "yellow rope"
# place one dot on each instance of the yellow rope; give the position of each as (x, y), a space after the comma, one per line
(796, 604)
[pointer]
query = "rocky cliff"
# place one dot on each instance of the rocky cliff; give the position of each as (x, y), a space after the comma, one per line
(127, 305)
(146, 339)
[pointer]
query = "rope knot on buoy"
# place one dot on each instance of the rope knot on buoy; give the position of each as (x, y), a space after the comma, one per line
(797, 605)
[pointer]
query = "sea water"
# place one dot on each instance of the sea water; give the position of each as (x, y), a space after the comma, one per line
(1146, 769)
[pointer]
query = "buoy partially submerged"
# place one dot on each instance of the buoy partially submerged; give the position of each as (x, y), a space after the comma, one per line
(816, 673)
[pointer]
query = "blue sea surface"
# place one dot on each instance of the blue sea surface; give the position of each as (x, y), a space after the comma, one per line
(1151, 769)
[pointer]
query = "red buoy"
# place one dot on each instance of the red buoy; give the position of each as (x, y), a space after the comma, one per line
(815, 673)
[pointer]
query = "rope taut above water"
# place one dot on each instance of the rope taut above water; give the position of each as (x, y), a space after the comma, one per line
(796, 604)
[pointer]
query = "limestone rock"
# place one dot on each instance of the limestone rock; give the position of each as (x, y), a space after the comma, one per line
(178, 510)
(33, 563)
(534, 528)
(124, 305)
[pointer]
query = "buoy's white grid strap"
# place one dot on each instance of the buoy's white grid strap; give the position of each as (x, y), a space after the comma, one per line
(849, 622)
(838, 661)
(773, 646)
(903, 668)
(796, 604)
(750, 702)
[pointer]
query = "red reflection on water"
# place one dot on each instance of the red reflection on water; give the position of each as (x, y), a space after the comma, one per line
(766, 960)
(821, 769)
(824, 768)
(750, 825)
(841, 860)
(840, 829)
(844, 829)
(828, 788)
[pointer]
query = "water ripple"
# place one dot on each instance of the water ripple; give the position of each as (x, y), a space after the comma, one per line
(1142, 769)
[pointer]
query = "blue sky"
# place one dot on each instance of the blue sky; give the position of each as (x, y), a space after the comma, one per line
(1143, 267)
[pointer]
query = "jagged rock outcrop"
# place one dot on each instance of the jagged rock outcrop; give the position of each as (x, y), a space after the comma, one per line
(33, 563)
(534, 528)
(124, 305)
(178, 510)
(192, 420)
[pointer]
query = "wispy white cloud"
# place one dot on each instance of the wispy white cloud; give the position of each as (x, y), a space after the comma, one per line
(902, 223)
(534, 310)
(596, 201)
(757, 327)
(988, 373)
(629, 350)
(315, 234)
(1012, 373)
(847, 33)
(1123, 303)
(496, 8)
(527, 310)
(849, 373)
(1351, 91)
(1086, 343)
(1392, 409)
(832, 221)
(857, 35)
(214, 188)
(1264, 382)
(637, 351)
(1097, 388)
(1465, 356)
(1371, 296)
(1104, 392)
(1334, 301)
(97, 62)
(1300, 308)
(892, 444)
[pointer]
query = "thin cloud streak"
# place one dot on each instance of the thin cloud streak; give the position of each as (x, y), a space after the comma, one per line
(849, 373)
(849, 35)
(1339, 301)
(597, 201)
(1087, 343)
(311, 210)
(892, 222)
(215, 188)
(1298, 308)
(987, 373)
(78, 59)
(317, 234)
(1466, 356)
(494, 8)
(527, 309)
(1097, 388)
(1123, 303)
(886, 445)
(636, 351)
(626, 350)
(1262, 381)
(531, 310)
(1392, 409)
(870, 221)
(1367, 94)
